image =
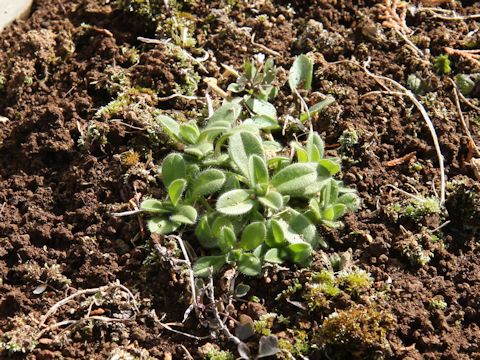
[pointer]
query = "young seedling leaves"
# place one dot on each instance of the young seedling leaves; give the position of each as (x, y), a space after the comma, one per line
(173, 168)
(241, 290)
(176, 189)
(207, 264)
(235, 202)
(332, 166)
(153, 206)
(199, 150)
(272, 200)
(242, 145)
(258, 172)
(301, 73)
(293, 179)
(185, 214)
(208, 182)
(160, 225)
(249, 264)
(253, 235)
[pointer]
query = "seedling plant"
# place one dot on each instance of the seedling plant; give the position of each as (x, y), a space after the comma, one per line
(235, 190)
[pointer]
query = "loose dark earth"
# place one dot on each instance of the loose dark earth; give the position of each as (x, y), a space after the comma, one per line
(67, 162)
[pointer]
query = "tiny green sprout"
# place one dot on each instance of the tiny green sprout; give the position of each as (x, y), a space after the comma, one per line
(441, 65)
(437, 303)
(416, 208)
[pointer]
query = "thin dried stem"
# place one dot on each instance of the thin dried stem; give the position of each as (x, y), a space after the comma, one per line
(402, 91)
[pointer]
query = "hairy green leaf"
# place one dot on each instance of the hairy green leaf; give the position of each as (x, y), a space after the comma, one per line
(173, 168)
(235, 202)
(208, 182)
(258, 172)
(185, 214)
(272, 200)
(207, 264)
(317, 107)
(189, 133)
(301, 73)
(242, 145)
(253, 235)
(170, 126)
(154, 206)
(300, 252)
(227, 239)
(176, 189)
(160, 225)
(249, 265)
(261, 107)
(293, 179)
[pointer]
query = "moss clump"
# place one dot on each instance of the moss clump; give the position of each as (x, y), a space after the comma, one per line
(442, 65)
(325, 286)
(295, 342)
(359, 332)
(355, 281)
(264, 325)
(213, 352)
(463, 204)
(415, 208)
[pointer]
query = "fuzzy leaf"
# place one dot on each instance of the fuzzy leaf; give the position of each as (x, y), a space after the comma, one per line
(275, 235)
(160, 225)
(300, 225)
(275, 256)
(249, 265)
(299, 252)
(235, 202)
(350, 200)
(261, 107)
(208, 182)
(173, 168)
(293, 179)
(176, 189)
(263, 122)
(199, 150)
(170, 126)
(272, 200)
(315, 147)
(204, 233)
(253, 235)
(228, 112)
(185, 214)
(227, 240)
(332, 166)
(189, 133)
(154, 206)
(317, 107)
(242, 145)
(258, 172)
(203, 265)
(301, 73)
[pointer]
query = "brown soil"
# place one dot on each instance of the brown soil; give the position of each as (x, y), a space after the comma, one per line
(56, 196)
